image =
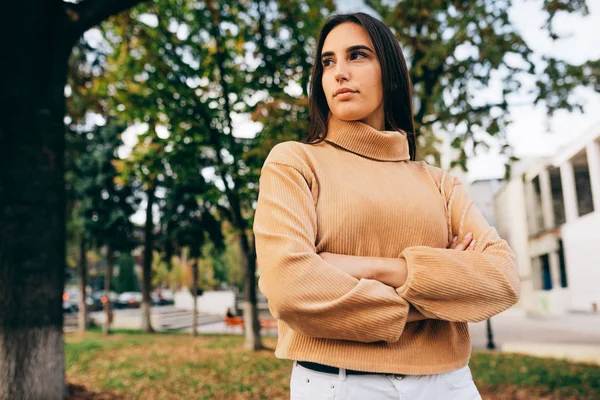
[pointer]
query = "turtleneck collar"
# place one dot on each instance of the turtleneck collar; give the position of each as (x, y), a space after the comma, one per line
(364, 140)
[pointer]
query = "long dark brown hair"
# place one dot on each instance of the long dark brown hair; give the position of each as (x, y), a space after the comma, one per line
(397, 88)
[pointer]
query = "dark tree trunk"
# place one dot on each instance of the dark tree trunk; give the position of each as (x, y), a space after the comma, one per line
(147, 269)
(32, 189)
(195, 297)
(83, 315)
(32, 201)
(107, 280)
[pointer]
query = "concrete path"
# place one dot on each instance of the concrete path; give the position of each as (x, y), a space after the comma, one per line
(163, 317)
(575, 337)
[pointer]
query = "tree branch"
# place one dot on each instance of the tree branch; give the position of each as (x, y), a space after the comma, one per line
(474, 110)
(89, 13)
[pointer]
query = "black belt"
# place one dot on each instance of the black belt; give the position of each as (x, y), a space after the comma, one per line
(331, 370)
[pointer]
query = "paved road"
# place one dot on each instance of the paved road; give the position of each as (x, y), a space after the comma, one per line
(163, 317)
(512, 326)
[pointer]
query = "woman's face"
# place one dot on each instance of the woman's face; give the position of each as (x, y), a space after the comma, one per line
(352, 76)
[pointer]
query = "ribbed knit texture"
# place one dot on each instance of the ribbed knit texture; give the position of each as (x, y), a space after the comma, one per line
(358, 194)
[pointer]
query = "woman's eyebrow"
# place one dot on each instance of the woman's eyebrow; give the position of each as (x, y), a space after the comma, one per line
(358, 47)
(348, 50)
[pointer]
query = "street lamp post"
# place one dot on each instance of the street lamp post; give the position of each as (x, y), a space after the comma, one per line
(490, 335)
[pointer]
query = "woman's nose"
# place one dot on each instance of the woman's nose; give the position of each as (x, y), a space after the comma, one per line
(341, 72)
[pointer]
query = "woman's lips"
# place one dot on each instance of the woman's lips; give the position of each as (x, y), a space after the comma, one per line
(344, 95)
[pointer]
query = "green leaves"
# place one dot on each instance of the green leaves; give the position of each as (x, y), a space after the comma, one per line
(103, 204)
(557, 83)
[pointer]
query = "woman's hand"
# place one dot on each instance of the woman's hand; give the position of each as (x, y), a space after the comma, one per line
(391, 271)
(358, 267)
(467, 243)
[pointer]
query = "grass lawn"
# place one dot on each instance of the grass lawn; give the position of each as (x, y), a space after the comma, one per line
(131, 365)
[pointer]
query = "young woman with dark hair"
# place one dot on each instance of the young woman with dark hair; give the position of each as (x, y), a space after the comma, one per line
(372, 262)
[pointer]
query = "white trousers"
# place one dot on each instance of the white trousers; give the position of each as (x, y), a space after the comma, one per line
(307, 384)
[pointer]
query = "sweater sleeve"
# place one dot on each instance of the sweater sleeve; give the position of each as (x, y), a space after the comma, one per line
(311, 296)
(462, 286)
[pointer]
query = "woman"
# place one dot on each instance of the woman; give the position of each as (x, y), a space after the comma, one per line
(372, 262)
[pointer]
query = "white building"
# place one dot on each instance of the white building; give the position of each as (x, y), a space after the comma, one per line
(483, 192)
(550, 215)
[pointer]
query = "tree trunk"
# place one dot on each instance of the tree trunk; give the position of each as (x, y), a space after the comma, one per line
(32, 201)
(147, 269)
(83, 315)
(107, 279)
(32, 190)
(195, 297)
(252, 325)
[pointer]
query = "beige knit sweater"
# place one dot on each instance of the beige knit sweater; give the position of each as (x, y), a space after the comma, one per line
(358, 194)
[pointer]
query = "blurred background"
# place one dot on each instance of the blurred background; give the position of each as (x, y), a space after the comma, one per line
(131, 145)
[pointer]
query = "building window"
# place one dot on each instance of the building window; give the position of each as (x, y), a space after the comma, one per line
(537, 201)
(545, 271)
(558, 203)
(542, 277)
(583, 187)
(563, 266)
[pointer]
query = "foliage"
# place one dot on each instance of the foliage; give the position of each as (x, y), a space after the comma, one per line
(104, 206)
(127, 279)
(163, 276)
(180, 274)
(187, 69)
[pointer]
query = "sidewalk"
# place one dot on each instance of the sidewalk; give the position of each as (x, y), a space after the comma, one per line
(575, 337)
(221, 329)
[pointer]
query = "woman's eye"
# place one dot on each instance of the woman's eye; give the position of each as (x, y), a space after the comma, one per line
(327, 62)
(357, 55)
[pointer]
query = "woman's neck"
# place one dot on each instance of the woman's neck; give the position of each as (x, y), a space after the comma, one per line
(376, 119)
(360, 138)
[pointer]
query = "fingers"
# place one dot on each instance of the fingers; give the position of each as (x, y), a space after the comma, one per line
(472, 245)
(453, 243)
(467, 241)
(466, 244)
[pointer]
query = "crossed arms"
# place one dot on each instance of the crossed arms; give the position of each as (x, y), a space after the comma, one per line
(371, 299)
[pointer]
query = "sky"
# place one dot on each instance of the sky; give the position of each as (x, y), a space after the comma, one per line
(532, 133)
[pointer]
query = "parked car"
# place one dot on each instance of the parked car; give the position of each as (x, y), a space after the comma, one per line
(100, 298)
(94, 301)
(70, 299)
(162, 297)
(69, 307)
(129, 300)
